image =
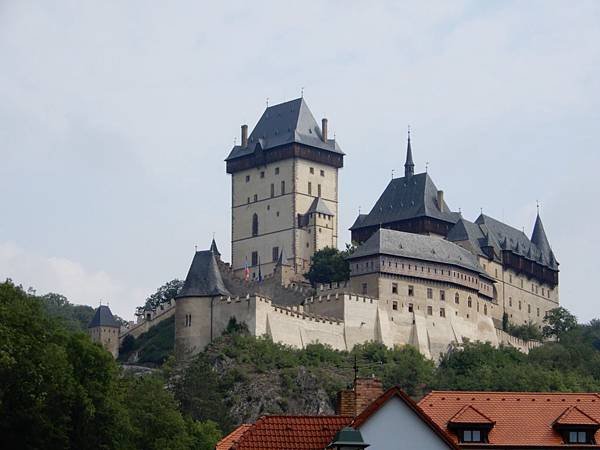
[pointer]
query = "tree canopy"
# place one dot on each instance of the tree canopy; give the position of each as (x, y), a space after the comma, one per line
(329, 265)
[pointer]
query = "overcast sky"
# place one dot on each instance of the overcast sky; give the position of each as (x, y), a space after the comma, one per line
(115, 118)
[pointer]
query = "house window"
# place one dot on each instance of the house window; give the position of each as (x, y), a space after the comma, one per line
(272, 190)
(312, 170)
(411, 291)
(254, 224)
(395, 306)
(276, 170)
(364, 288)
(255, 258)
(262, 174)
(318, 190)
(394, 288)
(472, 436)
(442, 312)
(443, 296)
(457, 298)
(430, 311)
(410, 307)
(275, 254)
(322, 173)
(247, 178)
(282, 187)
(578, 437)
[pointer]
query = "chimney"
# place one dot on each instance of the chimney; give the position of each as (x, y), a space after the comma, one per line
(440, 200)
(351, 402)
(324, 129)
(244, 135)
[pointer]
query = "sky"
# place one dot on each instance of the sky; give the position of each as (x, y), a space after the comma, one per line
(115, 118)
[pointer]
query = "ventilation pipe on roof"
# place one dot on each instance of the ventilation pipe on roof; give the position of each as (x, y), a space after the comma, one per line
(324, 129)
(440, 200)
(244, 135)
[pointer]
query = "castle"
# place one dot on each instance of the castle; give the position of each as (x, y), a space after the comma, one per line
(421, 274)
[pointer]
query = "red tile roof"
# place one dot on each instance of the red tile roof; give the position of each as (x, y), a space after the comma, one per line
(470, 415)
(520, 418)
(227, 442)
(397, 392)
(291, 432)
(575, 416)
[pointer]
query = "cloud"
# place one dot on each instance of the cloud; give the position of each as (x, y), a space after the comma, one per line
(55, 274)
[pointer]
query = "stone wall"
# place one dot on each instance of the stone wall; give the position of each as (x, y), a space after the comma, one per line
(148, 320)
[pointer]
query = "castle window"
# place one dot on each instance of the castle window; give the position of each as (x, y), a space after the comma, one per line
(457, 298)
(262, 174)
(282, 187)
(496, 271)
(277, 213)
(410, 307)
(272, 190)
(529, 308)
(510, 301)
(395, 306)
(309, 188)
(312, 170)
(318, 190)
(322, 173)
(443, 296)
(276, 170)
(429, 293)
(248, 199)
(442, 312)
(254, 258)
(275, 254)
(247, 178)
(430, 311)
(543, 292)
(485, 309)
(469, 302)
(394, 288)
(519, 305)
(364, 288)
(521, 284)
(255, 197)
(510, 278)
(411, 291)
(538, 312)
(477, 306)
(254, 224)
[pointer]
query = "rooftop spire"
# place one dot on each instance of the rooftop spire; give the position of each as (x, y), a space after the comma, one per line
(214, 249)
(409, 165)
(538, 237)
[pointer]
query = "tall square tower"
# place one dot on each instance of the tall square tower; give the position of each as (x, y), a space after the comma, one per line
(284, 191)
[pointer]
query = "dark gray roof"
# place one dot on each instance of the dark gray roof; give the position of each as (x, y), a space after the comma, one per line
(538, 237)
(286, 123)
(319, 206)
(103, 318)
(359, 221)
(214, 249)
(203, 278)
(469, 234)
(417, 246)
(407, 198)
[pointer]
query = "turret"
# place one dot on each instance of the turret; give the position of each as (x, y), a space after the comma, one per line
(104, 329)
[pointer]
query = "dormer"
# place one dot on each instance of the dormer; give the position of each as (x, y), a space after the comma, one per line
(471, 425)
(576, 427)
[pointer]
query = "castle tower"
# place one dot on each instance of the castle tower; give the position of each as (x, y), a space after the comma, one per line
(284, 190)
(194, 304)
(104, 329)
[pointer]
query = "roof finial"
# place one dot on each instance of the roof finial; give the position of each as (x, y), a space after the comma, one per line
(392, 174)
(358, 209)
(267, 101)
(537, 205)
(195, 247)
(426, 166)
(409, 165)
(302, 92)
(480, 210)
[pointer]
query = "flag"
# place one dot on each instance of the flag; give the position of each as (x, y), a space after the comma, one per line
(246, 271)
(259, 272)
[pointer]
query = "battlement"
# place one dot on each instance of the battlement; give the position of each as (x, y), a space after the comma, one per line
(340, 296)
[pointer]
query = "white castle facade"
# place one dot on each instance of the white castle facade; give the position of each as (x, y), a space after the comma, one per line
(421, 275)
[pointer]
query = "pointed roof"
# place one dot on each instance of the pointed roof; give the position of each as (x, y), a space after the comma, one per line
(103, 317)
(318, 206)
(203, 278)
(407, 198)
(214, 249)
(409, 165)
(575, 416)
(285, 123)
(538, 237)
(470, 415)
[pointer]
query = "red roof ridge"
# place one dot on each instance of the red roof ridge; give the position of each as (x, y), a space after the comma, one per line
(229, 440)
(397, 392)
(462, 412)
(596, 394)
(562, 419)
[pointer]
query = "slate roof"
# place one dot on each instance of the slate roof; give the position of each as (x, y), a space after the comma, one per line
(318, 206)
(285, 123)
(203, 278)
(520, 418)
(407, 198)
(103, 318)
(417, 246)
(290, 432)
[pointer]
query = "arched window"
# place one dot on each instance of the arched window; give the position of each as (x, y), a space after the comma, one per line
(255, 224)
(457, 298)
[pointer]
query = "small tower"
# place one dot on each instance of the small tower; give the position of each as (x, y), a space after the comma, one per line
(104, 329)
(409, 165)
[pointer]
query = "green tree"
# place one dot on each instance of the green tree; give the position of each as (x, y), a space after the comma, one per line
(328, 265)
(558, 322)
(164, 294)
(528, 331)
